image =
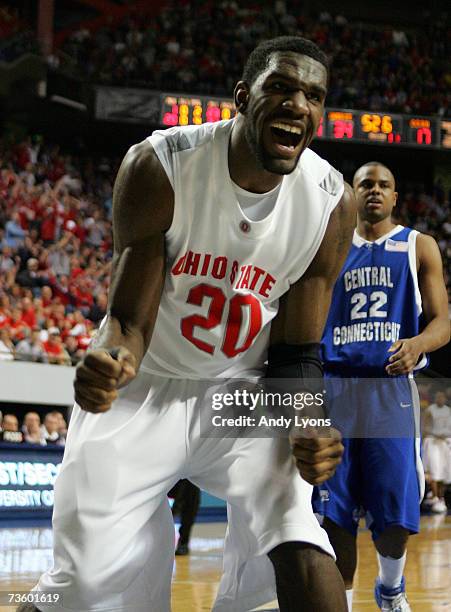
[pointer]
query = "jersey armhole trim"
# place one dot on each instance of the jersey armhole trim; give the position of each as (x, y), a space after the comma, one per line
(412, 249)
(163, 152)
(412, 246)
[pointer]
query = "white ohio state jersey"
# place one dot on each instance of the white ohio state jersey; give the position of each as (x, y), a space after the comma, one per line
(224, 272)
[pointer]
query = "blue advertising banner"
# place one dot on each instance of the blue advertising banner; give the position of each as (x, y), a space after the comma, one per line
(27, 476)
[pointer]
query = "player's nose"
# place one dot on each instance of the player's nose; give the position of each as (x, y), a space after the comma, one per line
(297, 103)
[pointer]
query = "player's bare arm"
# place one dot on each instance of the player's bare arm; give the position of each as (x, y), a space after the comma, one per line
(303, 309)
(300, 322)
(142, 212)
(407, 351)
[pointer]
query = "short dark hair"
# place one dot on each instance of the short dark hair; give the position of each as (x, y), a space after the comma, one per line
(372, 163)
(259, 58)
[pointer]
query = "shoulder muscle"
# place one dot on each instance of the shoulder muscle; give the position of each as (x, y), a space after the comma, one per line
(143, 199)
(428, 253)
(335, 246)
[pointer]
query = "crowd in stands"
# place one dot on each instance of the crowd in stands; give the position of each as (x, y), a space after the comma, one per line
(430, 214)
(200, 47)
(16, 36)
(55, 251)
(55, 247)
(10, 22)
(52, 430)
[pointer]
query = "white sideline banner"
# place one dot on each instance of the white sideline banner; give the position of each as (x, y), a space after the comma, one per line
(36, 383)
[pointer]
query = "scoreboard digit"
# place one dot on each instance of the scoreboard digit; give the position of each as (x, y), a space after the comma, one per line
(213, 112)
(320, 131)
(420, 131)
(182, 110)
(197, 114)
(340, 125)
(379, 127)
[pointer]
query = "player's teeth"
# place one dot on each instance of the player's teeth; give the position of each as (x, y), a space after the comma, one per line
(285, 126)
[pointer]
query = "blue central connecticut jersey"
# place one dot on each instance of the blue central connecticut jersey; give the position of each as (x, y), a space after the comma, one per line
(376, 301)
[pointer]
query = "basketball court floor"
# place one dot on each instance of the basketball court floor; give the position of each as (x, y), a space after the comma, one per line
(26, 552)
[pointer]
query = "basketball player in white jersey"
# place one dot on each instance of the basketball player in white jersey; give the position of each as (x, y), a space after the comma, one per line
(437, 450)
(228, 239)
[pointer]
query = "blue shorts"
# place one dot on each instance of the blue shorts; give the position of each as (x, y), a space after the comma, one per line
(381, 476)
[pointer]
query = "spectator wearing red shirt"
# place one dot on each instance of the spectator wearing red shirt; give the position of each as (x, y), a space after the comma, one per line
(28, 312)
(62, 290)
(17, 325)
(83, 298)
(75, 267)
(5, 310)
(79, 230)
(79, 328)
(23, 154)
(54, 348)
(48, 226)
(46, 296)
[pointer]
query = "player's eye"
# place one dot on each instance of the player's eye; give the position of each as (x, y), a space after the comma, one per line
(278, 85)
(314, 97)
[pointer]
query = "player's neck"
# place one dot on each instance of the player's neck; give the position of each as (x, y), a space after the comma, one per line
(374, 231)
(245, 171)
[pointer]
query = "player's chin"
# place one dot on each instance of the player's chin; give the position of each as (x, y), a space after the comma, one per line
(278, 165)
(373, 216)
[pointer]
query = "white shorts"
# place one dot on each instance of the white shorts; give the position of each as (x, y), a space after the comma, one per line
(113, 529)
(437, 459)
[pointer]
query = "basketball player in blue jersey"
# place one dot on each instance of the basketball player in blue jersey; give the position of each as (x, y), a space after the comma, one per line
(392, 275)
(222, 234)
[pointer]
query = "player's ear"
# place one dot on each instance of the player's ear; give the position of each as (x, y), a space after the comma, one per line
(241, 96)
(395, 194)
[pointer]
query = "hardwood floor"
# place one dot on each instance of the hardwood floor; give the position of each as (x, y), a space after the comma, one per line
(26, 552)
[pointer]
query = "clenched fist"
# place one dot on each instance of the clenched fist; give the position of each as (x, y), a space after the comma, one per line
(316, 458)
(100, 374)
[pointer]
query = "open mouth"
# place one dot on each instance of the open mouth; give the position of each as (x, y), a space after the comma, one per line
(285, 137)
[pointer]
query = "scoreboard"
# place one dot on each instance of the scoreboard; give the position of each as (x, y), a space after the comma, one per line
(385, 128)
(187, 110)
(345, 125)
